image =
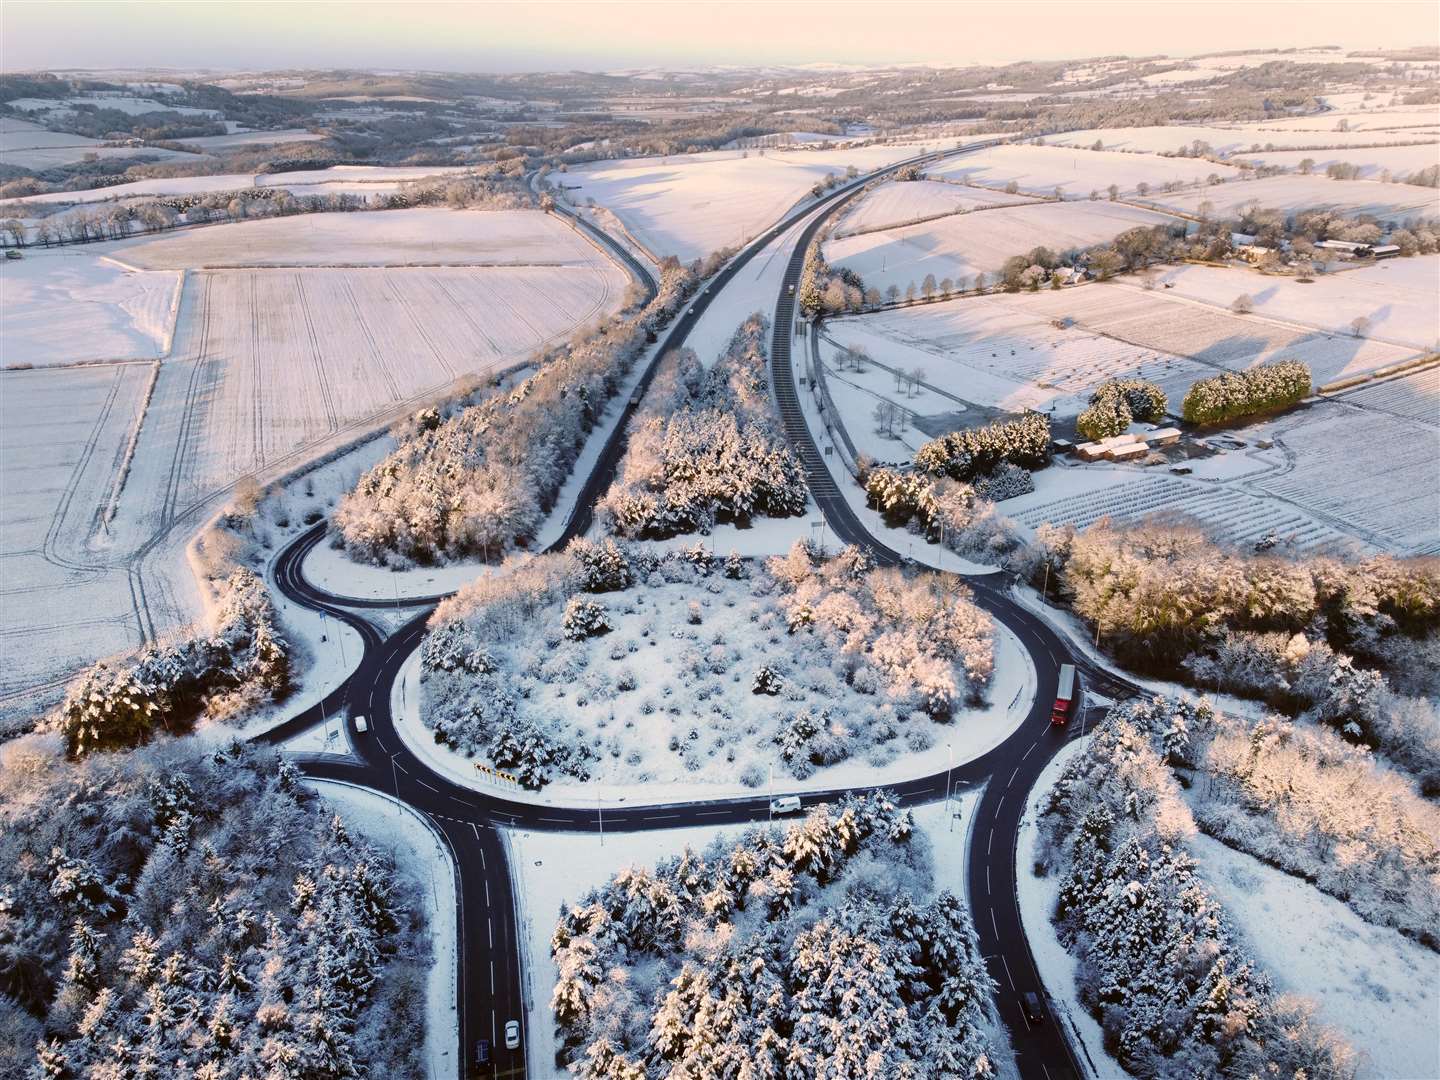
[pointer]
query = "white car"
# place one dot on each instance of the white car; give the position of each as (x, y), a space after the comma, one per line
(512, 1035)
(361, 725)
(786, 804)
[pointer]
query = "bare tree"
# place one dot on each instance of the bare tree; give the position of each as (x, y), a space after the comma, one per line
(892, 293)
(917, 376)
(884, 415)
(928, 286)
(947, 286)
(1114, 191)
(1242, 304)
(1359, 326)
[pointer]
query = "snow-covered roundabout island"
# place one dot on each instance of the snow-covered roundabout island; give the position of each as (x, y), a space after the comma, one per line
(613, 672)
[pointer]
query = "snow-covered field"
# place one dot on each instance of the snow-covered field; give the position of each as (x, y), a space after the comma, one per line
(62, 433)
(1081, 496)
(668, 706)
(252, 138)
(272, 365)
(1003, 349)
(898, 203)
(1397, 296)
(70, 306)
(1039, 170)
(963, 245)
(690, 205)
(269, 368)
(420, 856)
(1378, 988)
(1373, 471)
(425, 236)
(1237, 141)
(198, 185)
(1401, 161)
(1291, 192)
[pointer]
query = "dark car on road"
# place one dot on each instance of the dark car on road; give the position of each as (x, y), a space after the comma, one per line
(482, 1052)
(1034, 1010)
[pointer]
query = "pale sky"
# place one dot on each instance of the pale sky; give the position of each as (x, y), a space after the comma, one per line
(597, 36)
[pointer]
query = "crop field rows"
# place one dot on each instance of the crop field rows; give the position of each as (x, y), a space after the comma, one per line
(271, 363)
(1373, 471)
(1230, 515)
(64, 435)
(1414, 396)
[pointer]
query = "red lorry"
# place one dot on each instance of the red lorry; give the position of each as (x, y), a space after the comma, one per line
(1064, 695)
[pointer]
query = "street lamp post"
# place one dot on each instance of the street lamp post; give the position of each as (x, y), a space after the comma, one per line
(949, 768)
(770, 799)
(600, 816)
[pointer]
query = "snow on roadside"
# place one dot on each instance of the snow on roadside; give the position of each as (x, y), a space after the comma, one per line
(1380, 989)
(1038, 896)
(421, 855)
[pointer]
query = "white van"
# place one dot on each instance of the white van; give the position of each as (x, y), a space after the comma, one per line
(786, 804)
(360, 725)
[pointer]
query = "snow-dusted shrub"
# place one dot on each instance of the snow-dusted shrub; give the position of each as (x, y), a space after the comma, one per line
(584, 619)
(180, 908)
(242, 661)
(799, 927)
(767, 680)
(604, 567)
(1234, 394)
(1116, 403)
(734, 566)
(934, 647)
(1301, 798)
(482, 481)
(706, 448)
(1005, 481)
(964, 455)
(1159, 965)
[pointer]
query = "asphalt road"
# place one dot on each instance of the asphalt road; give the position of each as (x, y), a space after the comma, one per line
(490, 977)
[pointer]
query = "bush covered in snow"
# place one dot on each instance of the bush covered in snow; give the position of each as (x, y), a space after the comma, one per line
(932, 648)
(1159, 966)
(1297, 632)
(1233, 394)
(585, 619)
(705, 447)
(972, 452)
(1301, 798)
(242, 662)
(482, 481)
(175, 913)
(1005, 481)
(1116, 403)
(813, 954)
(951, 511)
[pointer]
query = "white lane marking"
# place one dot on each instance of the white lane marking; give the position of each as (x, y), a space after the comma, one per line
(457, 798)
(1012, 776)
(661, 817)
(482, 850)
(989, 839)
(1008, 979)
(711, 813)
(490, 926)
(487, 893)
(993, 926)
(987, 880)
(997, 807)
(492, 976)
(423, 784)
(477, 837)
(1032, 747)
(402, 768)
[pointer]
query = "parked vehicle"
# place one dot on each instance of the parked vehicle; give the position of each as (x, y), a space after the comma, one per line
(361, 725)
(786, 804)
(482, 1052)
(512, 1035)
(1064, 695)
